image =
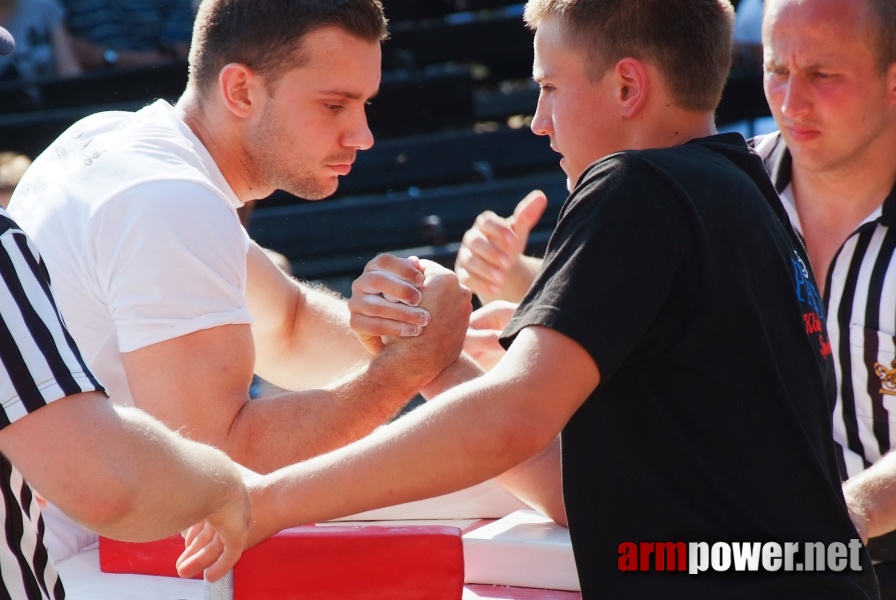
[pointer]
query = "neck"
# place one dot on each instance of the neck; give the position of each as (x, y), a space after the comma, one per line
(842, 195)
(222, 135)
(831, 206)
(674, 127)
(853, 187)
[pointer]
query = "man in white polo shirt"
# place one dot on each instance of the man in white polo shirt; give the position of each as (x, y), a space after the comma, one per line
(173, 306)
(116, 470)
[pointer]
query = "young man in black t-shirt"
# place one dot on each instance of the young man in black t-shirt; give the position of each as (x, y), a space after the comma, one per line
(674, 338)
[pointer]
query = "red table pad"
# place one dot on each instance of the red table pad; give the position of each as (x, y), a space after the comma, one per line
(337, 561)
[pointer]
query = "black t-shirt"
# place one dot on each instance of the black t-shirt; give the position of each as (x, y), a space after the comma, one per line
(712, 421)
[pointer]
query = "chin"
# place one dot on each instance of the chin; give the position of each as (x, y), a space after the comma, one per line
(318, 191)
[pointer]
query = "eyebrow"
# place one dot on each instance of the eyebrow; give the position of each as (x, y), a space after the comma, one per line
(539, 75)
(825, 62)
(347, 94)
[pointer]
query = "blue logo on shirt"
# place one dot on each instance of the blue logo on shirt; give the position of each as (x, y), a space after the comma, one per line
(808, 296)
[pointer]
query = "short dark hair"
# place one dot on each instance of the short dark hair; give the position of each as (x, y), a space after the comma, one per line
(882, 21)
(266, 35)
(690, 41)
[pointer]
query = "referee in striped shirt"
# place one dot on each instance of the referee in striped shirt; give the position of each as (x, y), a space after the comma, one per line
(117, 471)
(830, 81)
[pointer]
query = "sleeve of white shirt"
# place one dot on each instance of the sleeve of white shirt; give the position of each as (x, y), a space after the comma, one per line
(171, 260)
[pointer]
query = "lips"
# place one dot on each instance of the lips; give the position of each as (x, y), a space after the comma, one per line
(802, 133)
(343, 170)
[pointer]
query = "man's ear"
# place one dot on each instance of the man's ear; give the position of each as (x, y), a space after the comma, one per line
(239, 87)
(632, 86)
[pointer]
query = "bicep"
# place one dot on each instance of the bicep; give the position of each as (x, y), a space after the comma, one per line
(196, 383)
(302, 335)
(549, 374)
(273, 297)
(560, 375)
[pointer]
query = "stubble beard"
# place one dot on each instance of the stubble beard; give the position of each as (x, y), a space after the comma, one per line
(279, 173)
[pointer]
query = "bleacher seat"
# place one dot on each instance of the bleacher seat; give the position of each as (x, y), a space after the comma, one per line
(337, 237)
(34, 114)
(426, 160)
(444, 150)
(497, 40)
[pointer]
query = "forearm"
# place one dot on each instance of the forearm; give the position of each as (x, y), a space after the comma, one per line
(473, 432)
(272, 432)
(403, 461)
(66, 63)
(460, 371)
(118, 471)
(92, 56)
(872, 496)
(171, 482)
(204, 395)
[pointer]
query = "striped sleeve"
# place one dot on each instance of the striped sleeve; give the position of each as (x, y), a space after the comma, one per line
(40, 360)
(27, 571)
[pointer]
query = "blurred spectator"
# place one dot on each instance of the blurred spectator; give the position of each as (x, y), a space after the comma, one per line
(129, 33)
(43, 45)
(12, 167)
(748, 35)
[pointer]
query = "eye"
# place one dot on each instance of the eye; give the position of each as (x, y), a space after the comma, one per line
(333, 107)
(776, 71)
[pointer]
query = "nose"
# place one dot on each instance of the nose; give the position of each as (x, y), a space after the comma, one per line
(795, 101)
(359, 136)
(541, 120)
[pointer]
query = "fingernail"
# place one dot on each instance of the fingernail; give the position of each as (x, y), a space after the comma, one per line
(424, 318)
(410, 331)
(418, 279)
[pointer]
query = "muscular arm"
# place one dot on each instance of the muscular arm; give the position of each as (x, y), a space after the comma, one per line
(537, 481)
(124, 475)
(90, 55)
(302, 334)
(204, 389)
(470, 433)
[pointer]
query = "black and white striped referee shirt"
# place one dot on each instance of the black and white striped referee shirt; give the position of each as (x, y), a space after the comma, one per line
(40, 364)
(860, 304)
